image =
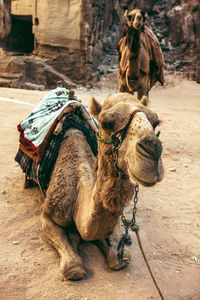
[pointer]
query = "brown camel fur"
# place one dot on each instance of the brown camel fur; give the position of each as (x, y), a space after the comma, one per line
(83, 202)
(141, 61)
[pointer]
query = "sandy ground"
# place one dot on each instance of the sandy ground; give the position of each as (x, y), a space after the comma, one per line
(168, 214)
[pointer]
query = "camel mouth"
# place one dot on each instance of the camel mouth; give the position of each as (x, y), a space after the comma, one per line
(139, 180)
(137, 26)
(144, 183)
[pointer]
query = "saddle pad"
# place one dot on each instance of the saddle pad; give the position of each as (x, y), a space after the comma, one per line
(36, 129)
(43, 174)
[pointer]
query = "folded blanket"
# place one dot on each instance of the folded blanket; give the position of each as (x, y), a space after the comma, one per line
(42, 173)
(37, 128)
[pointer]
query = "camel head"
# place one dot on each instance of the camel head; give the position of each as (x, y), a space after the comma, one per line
(135, 18)
(139, 152)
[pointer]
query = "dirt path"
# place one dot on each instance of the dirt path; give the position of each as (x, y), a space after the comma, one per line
(168, 215)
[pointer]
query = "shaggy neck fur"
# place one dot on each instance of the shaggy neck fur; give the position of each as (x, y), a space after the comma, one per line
(104, 202)
(108, 184)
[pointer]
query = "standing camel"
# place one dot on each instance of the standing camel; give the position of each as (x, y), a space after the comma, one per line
(141, 62)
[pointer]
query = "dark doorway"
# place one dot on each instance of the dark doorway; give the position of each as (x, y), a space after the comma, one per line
(21, 38)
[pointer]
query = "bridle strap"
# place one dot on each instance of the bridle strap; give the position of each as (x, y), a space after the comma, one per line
(105, 141)
(119, 135)
(124, 128)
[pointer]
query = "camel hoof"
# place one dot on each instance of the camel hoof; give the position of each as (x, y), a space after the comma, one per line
(119, 265)
(115, 264)
(144, 100)
(73, 272)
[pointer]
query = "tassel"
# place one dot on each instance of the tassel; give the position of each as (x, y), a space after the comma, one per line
(125, 241)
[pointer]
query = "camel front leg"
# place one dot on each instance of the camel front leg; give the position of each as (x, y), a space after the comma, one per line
(142, 92)
(71, 264)
(143, 89)
(109, 249)
(123, 89)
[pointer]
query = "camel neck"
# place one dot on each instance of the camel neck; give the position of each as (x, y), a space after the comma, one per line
(135, 43)
(97, 214)
(134, 57)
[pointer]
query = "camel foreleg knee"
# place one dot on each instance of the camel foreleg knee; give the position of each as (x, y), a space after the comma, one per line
(71, 264)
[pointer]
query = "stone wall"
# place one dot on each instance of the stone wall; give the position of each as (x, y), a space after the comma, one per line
(5, 23)
(59, 38)
(59, 26)
(78, 36)
(22, 7)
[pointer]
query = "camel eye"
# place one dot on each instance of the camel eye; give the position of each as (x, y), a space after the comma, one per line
(143, 15)
(158, 133)
(108, 125)
(156, 124)
(156, 128)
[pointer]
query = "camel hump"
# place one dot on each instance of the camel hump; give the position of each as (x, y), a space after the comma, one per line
(157, 58)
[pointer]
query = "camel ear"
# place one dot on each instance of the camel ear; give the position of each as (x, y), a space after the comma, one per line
(95, 108)
(126, 13)
(145, 16)
(144, 100)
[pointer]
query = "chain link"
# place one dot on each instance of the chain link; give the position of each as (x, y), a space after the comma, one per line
(125, 239)
(127, 223)
(135, 200)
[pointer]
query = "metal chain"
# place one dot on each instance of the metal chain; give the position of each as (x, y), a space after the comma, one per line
(123, 218)
(126, 239)
(135, 200)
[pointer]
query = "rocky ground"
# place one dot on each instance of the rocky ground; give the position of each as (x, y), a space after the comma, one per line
(168, 214)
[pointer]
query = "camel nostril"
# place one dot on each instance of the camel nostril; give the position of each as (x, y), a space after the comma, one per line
(150, 148)
(142, 149)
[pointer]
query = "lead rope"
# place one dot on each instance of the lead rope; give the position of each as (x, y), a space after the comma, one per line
(126, 239)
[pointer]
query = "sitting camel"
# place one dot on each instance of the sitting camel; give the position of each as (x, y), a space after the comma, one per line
(82, 202)
(141, 62)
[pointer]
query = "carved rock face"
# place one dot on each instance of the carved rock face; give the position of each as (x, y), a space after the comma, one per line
(145, 5)
(184, 32)
(5, 22)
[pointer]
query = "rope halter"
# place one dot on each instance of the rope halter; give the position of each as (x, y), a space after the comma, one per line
(119, 135)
